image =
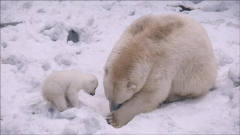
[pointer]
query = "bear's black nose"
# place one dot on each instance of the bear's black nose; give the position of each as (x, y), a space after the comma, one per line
(114, 106)
(92, 94)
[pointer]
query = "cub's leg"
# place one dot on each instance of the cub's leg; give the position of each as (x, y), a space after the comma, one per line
(72, 96)
(60, 102)
(146, 100)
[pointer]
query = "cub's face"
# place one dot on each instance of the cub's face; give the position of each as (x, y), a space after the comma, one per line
(117, 91)
(91, 86)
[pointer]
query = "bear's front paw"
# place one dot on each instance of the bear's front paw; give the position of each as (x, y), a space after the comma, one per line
(112, 120)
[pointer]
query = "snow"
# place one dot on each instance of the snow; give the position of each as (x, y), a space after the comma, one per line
(234, 74)
(38, 45)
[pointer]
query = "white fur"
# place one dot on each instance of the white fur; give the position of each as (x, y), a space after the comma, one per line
(167, 58)
(63, 86)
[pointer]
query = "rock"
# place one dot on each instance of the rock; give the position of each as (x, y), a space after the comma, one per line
(185, 8)
(9, 23)
(73, 36)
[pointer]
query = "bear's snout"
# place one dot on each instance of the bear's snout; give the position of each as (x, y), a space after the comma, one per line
(114, 106)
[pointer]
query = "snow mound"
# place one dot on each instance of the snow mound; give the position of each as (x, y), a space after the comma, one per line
(215, 7)
(19, 62)
(223, 58)
(234, 74)
(86, 122)
(54, 31)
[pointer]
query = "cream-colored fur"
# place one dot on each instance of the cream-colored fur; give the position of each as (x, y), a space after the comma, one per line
(157, 59)
(61, 88)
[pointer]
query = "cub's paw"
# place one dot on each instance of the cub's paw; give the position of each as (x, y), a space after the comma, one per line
(111, 120)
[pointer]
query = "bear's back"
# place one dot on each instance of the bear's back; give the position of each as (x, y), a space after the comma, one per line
(151, 38)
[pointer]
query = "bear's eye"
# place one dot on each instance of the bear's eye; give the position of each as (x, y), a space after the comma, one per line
(131, 85)
(106, 71)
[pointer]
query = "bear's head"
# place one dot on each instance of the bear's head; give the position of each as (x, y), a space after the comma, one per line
(126, 71)
(118, 90)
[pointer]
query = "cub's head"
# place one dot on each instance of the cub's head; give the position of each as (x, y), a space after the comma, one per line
(91, 84)
(117, 89)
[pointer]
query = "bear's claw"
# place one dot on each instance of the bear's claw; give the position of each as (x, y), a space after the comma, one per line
(111, 120)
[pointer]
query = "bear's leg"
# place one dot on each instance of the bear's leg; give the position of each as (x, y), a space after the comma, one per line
(194, 81)
(144, 101)
(72, 95)
(173, 98)
(60, 102)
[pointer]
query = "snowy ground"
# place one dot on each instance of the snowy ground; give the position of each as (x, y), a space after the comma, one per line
(37, 46)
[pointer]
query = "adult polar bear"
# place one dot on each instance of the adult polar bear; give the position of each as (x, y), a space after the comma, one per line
(158, 58)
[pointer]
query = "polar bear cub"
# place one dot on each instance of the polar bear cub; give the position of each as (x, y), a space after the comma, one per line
(61, 88)
(157, 58)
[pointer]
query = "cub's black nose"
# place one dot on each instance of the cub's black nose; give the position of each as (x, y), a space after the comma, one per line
(92, 94)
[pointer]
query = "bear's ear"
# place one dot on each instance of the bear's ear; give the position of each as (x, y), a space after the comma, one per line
(131, 86)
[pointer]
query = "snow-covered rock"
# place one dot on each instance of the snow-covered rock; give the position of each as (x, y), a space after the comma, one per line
(54, 31)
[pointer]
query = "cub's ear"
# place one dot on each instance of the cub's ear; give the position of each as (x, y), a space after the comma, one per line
(92, 81)
(131, 85)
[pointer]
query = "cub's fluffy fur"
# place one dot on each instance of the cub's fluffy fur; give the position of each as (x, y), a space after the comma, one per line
(61, 88)
(157, 59)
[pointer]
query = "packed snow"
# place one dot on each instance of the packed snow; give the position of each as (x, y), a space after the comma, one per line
(35, 41)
